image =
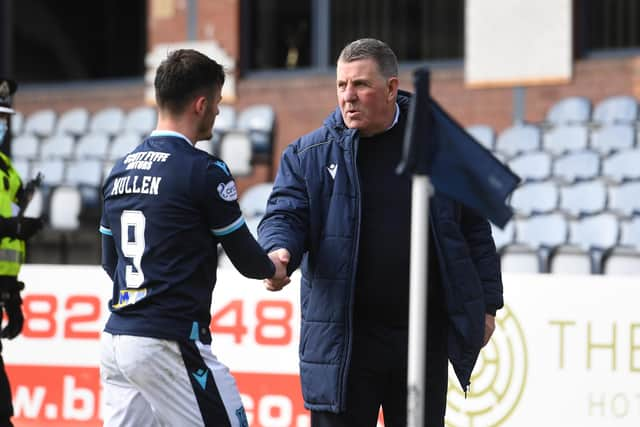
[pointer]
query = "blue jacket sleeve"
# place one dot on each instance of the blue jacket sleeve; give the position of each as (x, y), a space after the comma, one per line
(286, 221)
(477, 232)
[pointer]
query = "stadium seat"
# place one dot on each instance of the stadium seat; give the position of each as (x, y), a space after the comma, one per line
(519, 259)
(258, 121)
(17, 123)
(583, 198)
(108, 120)
(73, 122)
(52, 171)
(570, 110)
(535, 197)
(252, 225)
(123, 144)
(595, 234)
(570, 260)
(566, 138)
(518, 139)
(534, 166)
(630, 233)
(622, 165)
(141, 120)
(25, 146)
(611, 138)
(225, 122)
(236, 150)
(64, 209)
(253, 201)
(205, 145)
(57, 147)
(624, 199)
(503, 237)
(86, 175)
(41, 123)
(92, 145)
(616, 109)
(543, 233)
(577, 166)
(23, 168)
(622, 261)
(484, 134)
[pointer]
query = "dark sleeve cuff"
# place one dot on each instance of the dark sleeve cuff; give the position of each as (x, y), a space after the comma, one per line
(491, 309)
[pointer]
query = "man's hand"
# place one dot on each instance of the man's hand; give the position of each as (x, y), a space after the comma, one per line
(21, 228)
(12, 306)
(489, 327)
(280, 258)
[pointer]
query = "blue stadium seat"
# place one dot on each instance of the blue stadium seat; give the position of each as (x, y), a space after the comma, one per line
(503, 237)
(52, 171)
(623, 165)
(515, 258)
(141, 120)
(622, 261)
(25, 146)
(484, 134)
(64, 208)
(566, 138)
(583, 198)
(518, 139)
(59, 146)
(570, 110)
(236, 151)
(86, 175)
(611, 138)
(41, 123)
(596, 234)
(225, 122)
(253, 201)
(624, 199)
(630, 233)
(570, 260)
(534, 166)
(535, 197)
(92, 145)
(73, 122)
(123, 144)
(573, 167)
(616, 109)
(109, 120)
(258, 121)
(544, 233)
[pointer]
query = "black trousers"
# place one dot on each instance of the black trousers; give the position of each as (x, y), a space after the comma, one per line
(6, 407)
(378, 377)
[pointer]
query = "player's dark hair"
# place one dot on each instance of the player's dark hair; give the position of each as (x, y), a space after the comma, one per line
(183, 75)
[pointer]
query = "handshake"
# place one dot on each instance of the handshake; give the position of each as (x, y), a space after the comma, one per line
(280, 258)
(23, 228)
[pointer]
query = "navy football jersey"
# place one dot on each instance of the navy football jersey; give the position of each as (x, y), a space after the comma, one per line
(166, 204)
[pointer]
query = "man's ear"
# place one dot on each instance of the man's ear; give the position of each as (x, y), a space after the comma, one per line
(392, 87)
(200, 104)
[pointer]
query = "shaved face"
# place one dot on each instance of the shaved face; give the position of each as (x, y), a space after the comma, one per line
(366, 98)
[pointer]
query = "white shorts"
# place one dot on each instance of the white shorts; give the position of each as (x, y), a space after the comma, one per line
(155, 382)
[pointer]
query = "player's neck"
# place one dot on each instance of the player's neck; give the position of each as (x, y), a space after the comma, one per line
(180, 126)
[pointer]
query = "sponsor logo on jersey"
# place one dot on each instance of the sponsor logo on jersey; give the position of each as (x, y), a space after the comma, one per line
(228, 191)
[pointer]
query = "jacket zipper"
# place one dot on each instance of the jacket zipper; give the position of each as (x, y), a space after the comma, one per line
(347, 360)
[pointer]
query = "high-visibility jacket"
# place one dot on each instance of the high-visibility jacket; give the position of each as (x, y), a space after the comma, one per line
(12, 251)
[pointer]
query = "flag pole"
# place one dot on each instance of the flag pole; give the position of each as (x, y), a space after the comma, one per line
(415, 161)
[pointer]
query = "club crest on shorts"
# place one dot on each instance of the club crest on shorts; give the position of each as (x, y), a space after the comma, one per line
(228, 191)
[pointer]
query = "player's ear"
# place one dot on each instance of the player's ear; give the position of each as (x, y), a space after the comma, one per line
(200, 104)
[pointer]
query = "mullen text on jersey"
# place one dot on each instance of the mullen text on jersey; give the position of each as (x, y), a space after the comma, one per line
(136, 185)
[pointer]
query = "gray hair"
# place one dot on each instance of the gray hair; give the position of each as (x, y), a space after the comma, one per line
(374, 49)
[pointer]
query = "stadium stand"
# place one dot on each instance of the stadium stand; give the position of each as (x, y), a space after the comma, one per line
(236, 150)
(41, 123)
(73, 122)
(17, 123)
(571, 110)
(616, 109)
(109, 120)
(484, 134)
(518, 139)
(258, 121)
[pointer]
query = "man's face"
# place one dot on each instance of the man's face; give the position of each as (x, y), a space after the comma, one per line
(209, 116)
(365, 97)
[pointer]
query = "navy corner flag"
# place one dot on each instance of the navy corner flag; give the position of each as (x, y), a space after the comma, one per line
(458, 166)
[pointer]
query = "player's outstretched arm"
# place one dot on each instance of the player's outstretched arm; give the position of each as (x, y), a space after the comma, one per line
(247, 256)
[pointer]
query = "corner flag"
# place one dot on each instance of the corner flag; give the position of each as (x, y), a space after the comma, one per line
(457, 165)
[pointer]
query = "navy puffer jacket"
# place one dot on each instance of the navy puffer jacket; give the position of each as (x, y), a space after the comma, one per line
(317, 218)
